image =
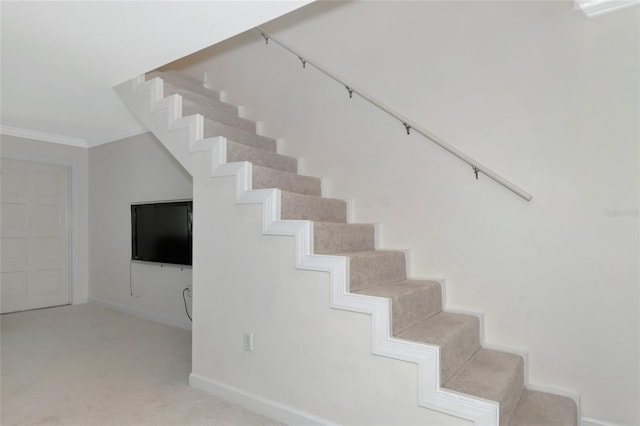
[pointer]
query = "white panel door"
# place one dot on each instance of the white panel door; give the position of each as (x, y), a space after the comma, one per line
(34, 234)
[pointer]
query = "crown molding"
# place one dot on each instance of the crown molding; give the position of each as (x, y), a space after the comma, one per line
(124, 132)
(42, 136)
(593, 8)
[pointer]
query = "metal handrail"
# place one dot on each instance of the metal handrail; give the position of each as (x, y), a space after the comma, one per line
(406, 122)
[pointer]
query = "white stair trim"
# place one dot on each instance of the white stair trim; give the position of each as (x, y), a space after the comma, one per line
(145, 99)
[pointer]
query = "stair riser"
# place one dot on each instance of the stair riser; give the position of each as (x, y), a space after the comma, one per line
(268, 178)
(213, 128)
(457, 335)
(509, 404)
(493, 375)
(366, 272)
(217, 114)
(294, 207)
(241, 152)
(415, 307)
(336, 238)
(454, 354)
(539, 408)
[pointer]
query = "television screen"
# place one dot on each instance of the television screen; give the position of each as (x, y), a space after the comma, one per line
(161, 232)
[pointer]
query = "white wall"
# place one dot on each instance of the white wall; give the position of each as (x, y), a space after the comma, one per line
(310, 364)
(533, 90)
(78, 161)
(133, 170)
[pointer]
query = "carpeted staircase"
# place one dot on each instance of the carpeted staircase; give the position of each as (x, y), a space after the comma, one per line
(417, 313)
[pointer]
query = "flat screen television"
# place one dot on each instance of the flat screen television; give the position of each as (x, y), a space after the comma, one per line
(162, 232)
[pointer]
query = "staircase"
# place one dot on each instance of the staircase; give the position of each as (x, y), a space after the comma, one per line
(456, 374)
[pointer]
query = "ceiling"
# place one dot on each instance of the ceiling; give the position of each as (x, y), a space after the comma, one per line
(60, 60)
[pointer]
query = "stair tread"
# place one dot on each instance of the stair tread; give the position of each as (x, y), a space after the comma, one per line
(349, 225)
(237, 151)
(183, 82)
(315, 197)
(412, 301)
(196, 99)
(183, 78)
(493, 375)
(457, 335)
(266, 177)
(296, 206)
(223, 115)
(217, 128)
(373, 253)
(208, 97)
(545, 409)
(180, 79)
(398, 288)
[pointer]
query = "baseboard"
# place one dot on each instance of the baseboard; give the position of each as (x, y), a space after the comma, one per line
(585, 421)
(185, 324)
(274, 410)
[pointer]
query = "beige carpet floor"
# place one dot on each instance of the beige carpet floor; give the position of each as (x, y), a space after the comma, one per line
(86, 365)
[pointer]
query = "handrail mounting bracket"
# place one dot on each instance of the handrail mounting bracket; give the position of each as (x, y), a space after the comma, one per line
(350, 90)
(476, 171)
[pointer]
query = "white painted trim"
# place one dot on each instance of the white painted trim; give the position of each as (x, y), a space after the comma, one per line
(111, 136)
(163, 319)
(350, 203)
(42, 136)
(408, 266)
(586, 421)
(592, 8)
(260, 129)
(275, 410)
(71, 232)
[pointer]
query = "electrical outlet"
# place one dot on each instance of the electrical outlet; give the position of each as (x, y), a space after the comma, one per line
(189, 292)
(248, 342)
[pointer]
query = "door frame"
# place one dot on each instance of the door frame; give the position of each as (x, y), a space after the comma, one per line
(72, 216)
